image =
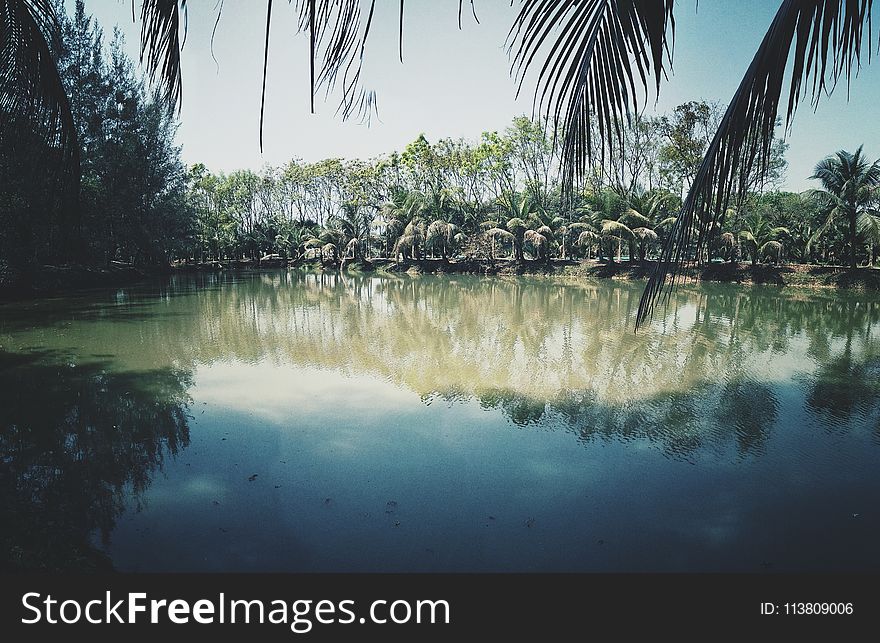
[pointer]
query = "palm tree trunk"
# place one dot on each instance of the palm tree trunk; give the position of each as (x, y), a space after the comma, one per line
(852, 240)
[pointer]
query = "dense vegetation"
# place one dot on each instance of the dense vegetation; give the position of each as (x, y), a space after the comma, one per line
(496, 198)
(128, 203)
(501, 197)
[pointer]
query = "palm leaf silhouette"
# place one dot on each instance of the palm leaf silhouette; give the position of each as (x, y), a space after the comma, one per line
(821, 42)
(161, 45)
(597, 57)
(31, 91)
(600, 55)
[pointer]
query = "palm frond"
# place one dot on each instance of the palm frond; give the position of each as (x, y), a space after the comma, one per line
(31, 91)
(161, 44)
(645, 234)
(265, 69)
(544, 231)
(533, 220)
(868, 226)
(500, 233)
(338, 35)
(598, 57)
(771, 249)
(780, 231)
(822, 229)
(587, 237)
(825, 37)
(747, 237)
(632, 216)
(616, 229)
(727, 239)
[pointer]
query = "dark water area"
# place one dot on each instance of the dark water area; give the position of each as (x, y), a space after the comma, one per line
(317, 422)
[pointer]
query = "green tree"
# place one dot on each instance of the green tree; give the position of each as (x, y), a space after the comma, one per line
(849, 192)
(761, 239)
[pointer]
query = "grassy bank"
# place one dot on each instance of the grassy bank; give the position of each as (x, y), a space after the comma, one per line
(50, 280)
(791, 275)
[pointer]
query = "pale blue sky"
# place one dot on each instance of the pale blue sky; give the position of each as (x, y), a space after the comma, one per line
(452, 83)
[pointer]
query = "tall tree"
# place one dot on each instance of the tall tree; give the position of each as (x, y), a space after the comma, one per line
(849, 191)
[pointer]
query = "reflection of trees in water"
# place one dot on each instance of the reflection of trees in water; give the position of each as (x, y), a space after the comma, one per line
(541, 351)
(519, 344)
(75, 441)
(847, 388)
(681, 422)
(536, 336)
(749, 408)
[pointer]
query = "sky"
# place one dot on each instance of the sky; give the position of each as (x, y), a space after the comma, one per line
(452, 83)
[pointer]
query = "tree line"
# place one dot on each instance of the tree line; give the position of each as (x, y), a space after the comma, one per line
(128, 200)
(499, 197)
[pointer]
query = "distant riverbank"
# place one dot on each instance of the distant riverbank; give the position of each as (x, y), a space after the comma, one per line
(794, 275)
(52, 280)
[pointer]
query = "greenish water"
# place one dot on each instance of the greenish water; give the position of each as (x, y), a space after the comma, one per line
(306, 422)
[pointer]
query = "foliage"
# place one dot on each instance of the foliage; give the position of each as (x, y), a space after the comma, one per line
(132, 202)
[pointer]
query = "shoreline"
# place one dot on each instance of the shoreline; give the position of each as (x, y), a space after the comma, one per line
(54, 280)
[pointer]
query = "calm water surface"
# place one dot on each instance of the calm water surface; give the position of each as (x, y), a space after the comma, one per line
(309, 422)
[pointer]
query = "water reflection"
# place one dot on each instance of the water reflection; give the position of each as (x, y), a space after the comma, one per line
(361, 375)
(552, 353)
(77, 441)
(846, 390)
(540, 351)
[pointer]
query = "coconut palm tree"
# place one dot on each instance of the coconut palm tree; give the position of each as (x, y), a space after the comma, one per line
(329, 254)
(412, 241)
(328, 241)
(869, 230)
(395, 215)
(520, 210)
(587, 238)
(540, 241)
(650, 212)
(636, 229)
(353, 228)
(619, 232)
(517, 228)
(585, 229)
(849, 191)
(727, 241)
(760, 239)
(499, 236)
(443, 236)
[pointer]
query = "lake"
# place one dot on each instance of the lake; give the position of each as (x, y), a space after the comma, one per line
(294, 421)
